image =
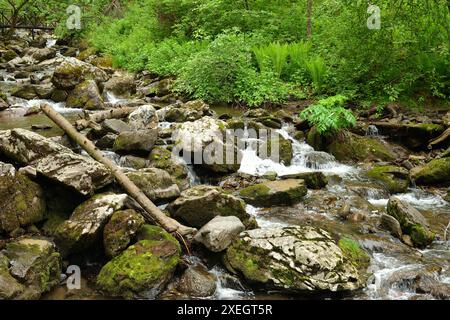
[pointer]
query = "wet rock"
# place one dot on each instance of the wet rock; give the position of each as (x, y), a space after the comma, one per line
(10, 288)
(86, 224)
(435, 172)
(293, 259)
(120, 230)
(22, 201)
(41, 54)
(357, 148)
(85, 95)
(26, 91)
(35, 264)
(121, 85)
(313, 180)
(8, 55)
(412, 222)
(391, 224)
(115, 126)
(190, 111)
(71, 72)
(395, 179)
(143, 118)
(134, 162)
(275, 193)
(277, 148)
(142, 270)
(219, 233)
(162, 158)
(157, 184)
(3, 104)
(158, 88)
(139, 142)
(200, 204)
(196, 281)
(107, 141)
(53, 161)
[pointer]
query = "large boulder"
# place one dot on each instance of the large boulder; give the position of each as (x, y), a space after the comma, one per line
(85, 225)
(313, 180)
(34, 268)
(115, 126)
(275, 193)
(86, 95)
(293, 259)
(22, 203)
(189, 111)
(218, 233)
(143, 118)
(72, 71)
(435, 172)
(196, 281)
(121, 85)
(200, 204)
(41, 54)
(120, 230)
(412, 222)
(162, 158)
(54, 161)
(352, 147)
(137, 142)
(394, 179)
(157, 184)
(142, 270)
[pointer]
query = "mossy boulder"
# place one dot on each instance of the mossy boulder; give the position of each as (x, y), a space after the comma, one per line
(190, 111)
(137, 142)
(36, 266)
(412, 222)
(277, 148)
(22, 201)
(85, 225)
(394, 179)
(142, 270)
(157, 184)
(121, 85)
(352, 147)
(275, 193)
(293, 259)
(435, 172)
(120, 230)
(9, 55)
(200, 204)
(162, 158)
(313, 180)
(86, 95)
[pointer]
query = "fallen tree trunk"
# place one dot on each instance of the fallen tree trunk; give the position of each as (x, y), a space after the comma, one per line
(103, 115)
(152, 212)
(440, 140)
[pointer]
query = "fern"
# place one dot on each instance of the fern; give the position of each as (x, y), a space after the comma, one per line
(273, 56)
(329, 115)
(317, 69)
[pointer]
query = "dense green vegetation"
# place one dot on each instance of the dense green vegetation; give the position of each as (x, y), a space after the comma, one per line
(259, 52)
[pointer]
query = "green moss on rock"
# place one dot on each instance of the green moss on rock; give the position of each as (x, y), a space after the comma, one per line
(435, 172)
(395, 179)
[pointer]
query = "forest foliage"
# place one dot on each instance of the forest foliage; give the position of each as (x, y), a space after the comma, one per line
(259, 52)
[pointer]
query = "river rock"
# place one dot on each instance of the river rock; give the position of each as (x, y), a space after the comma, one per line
(22, 203)
(86, 223)
(72, 71)
(412, 222)
(119, 231)
(142, 270)
(54, 161)
(3, 104)
(139, 142)
(86, 95)
(435, 172)
(158, 88)
(392, 225)
(277, 148)
(200, 204)
(41, 54)
(157, 184)
(293, 259)
(106, 142)
(162, 158)
(115, 126)
(394, 179)
(35, 265)
(313, 180)
(143, 118)
(196, 281)
(218, 233)
(121, 85)
(10, 288)
(275, 193)
(190, 111)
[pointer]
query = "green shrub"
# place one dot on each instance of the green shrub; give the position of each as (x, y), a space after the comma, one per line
(272, 57)
(317, 69)
(329, 115)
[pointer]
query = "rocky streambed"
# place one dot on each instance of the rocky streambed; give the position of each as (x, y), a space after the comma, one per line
(363, 215)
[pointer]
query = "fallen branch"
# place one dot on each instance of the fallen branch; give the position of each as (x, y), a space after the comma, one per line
(152, 212)
(97, 117)
(442, 138)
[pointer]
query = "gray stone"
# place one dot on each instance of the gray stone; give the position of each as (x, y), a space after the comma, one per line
(218, 233)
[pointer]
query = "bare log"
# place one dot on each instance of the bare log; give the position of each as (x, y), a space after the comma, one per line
(152, 212)
(103, 115)
(441, 139)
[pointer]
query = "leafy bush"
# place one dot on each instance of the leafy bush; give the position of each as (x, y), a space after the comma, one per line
(272, 57)
(316, 68)
(329, 115)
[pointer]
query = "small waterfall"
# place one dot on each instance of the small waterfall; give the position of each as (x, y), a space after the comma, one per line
(112, 99)
(50, 43)
(372, 131)
(223, 291)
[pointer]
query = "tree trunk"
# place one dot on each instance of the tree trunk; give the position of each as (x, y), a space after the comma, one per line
(152, 212)
(103, 115)
(309, 19)
(443, 138)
